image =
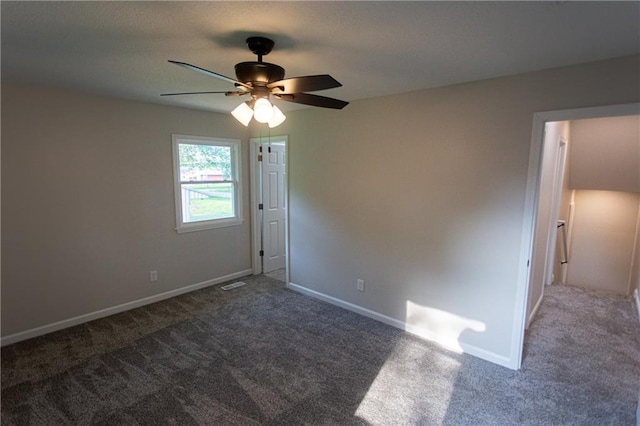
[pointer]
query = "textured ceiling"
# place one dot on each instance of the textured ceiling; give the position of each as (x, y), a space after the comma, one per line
(373, 48)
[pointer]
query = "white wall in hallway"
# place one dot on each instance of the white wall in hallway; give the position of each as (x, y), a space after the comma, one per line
(605, 154)
(603, 239)
(605, 174)
(635, 270)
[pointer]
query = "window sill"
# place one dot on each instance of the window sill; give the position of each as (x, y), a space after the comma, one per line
(203, 226)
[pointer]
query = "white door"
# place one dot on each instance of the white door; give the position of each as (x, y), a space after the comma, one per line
(274, 207)
(558, 180)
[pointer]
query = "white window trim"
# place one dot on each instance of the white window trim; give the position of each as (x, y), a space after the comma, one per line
(236, 162)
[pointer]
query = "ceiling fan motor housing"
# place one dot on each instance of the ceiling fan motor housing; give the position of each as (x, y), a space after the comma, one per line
(258, 72)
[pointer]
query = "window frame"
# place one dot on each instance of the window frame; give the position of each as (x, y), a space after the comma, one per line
(236, 181)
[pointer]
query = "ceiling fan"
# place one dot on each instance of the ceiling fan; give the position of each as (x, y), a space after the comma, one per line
(260, 80)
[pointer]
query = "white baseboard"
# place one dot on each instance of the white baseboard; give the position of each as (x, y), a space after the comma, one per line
(636, 296)
(420, 332)
(49, 328)
(534, 311)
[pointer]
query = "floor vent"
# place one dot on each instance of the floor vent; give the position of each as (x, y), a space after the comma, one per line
(233, 285)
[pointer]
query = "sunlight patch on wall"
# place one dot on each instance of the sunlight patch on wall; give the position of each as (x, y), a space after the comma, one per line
(440, 326)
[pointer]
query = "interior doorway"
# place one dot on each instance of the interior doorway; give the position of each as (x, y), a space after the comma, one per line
(551, 177)
(529, 262)
(269, 206)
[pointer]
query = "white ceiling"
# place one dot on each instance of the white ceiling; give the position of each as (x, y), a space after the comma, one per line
(373, 48)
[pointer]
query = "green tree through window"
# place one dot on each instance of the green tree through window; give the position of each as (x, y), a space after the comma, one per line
(196, 158)
(207, 182)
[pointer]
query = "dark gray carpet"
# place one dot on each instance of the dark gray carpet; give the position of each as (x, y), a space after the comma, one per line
(262, 354)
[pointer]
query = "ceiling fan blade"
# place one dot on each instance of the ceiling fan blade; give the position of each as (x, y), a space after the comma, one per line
(309, 83)
(204, 93)
(210, 73)
(313, 100)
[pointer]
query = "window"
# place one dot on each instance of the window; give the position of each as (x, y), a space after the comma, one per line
(207, 182)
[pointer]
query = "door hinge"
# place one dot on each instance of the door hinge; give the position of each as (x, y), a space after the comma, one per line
(260, 206)
(527, 263)
(260, 157)
(269, 149)
(261, 252)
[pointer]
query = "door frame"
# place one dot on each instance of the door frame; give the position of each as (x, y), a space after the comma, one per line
(531, 207)
(256, 190)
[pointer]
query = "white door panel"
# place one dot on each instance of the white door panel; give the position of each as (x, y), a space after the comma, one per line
(273, 193)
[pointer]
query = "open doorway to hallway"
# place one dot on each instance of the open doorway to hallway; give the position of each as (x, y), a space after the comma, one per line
(539, 241)
(588, 207)
(269, 206)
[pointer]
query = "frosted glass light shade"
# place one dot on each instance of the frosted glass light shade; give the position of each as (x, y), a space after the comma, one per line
(262, 110)
(243, 113)
(278, 117)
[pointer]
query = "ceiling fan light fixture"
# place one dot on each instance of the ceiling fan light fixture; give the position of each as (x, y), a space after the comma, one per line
(277, 119)
(262, 110)
(261, 79)
(243, 113)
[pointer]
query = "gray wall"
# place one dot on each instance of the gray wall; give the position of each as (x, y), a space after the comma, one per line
(88, 207)
(422, 195)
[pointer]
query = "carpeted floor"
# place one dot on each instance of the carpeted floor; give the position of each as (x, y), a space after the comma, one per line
(262, 354)
(278, 274)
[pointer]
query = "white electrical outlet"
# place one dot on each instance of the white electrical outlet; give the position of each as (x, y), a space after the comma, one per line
(360, 285)
(153, 276)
